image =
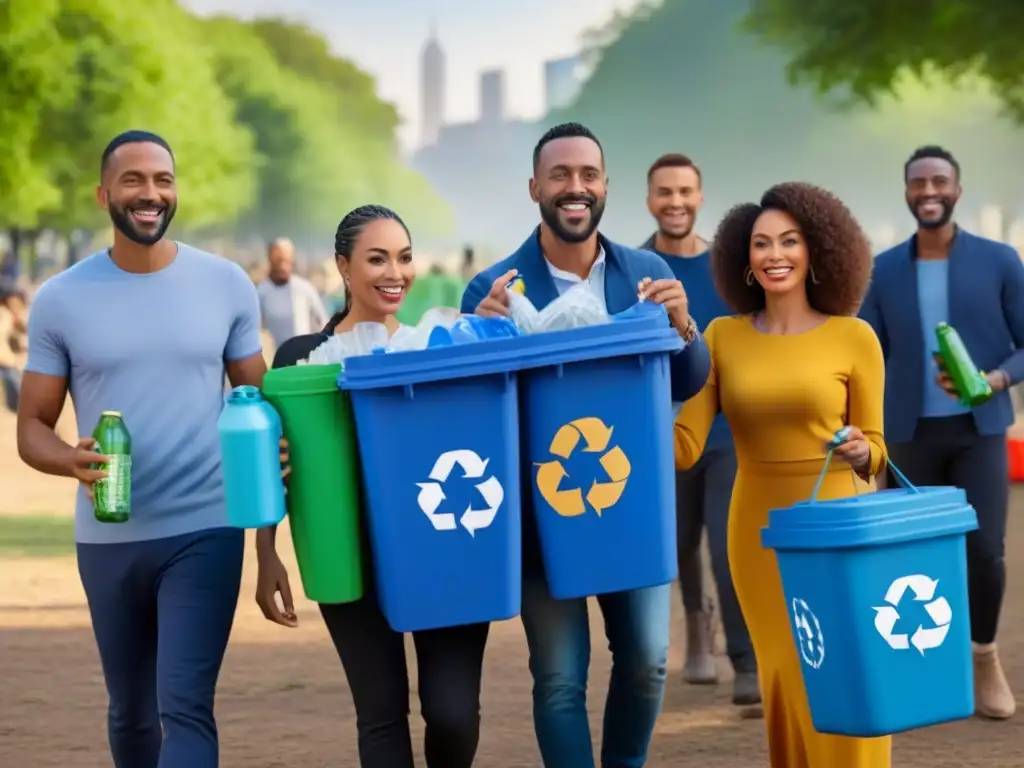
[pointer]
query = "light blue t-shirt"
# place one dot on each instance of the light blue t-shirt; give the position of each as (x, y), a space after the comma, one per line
(933, 299)
(152, 346)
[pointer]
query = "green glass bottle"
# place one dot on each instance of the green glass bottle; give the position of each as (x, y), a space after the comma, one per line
(112, 496)
(971, 385)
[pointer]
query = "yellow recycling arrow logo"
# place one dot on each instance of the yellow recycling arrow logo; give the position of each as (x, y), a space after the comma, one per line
(596, 436)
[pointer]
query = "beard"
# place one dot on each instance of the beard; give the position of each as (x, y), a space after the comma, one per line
(948, 205)
(550, 213)
(120, 217)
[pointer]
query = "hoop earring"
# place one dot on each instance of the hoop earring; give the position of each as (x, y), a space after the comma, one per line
(814, 277)
(749, 278)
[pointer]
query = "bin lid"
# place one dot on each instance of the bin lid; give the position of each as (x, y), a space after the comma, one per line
(870, 519)
(301, 380)
(642, 329)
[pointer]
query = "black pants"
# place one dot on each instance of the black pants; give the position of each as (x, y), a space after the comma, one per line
(949, 451)
(450, 664)
(703, 494)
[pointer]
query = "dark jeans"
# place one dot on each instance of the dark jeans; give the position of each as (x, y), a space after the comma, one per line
(10, 382)
(162, 612)
(949, 451)
(450, 666)
(703, 494)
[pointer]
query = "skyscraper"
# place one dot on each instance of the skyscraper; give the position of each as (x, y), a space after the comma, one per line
(562, 81)
(432, 74)
(492, 96)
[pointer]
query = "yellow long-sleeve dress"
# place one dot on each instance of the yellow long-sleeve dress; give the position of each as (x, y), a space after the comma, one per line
(784, 398)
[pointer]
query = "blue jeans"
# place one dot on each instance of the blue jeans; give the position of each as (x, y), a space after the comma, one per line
(558, 633)
(162, 612)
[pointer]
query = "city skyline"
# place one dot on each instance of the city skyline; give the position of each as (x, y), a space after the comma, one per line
(475, 38)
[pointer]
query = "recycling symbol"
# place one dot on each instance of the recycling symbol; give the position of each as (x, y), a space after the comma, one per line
(808, 634)
(924, 638)
(595, 436)
(432, 493)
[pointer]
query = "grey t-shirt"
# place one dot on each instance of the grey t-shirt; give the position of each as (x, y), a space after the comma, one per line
(152, 346)
(290, 309)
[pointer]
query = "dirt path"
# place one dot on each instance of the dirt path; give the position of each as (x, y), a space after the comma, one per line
(283, 701)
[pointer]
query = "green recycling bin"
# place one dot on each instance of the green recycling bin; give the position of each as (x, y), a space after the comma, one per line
(323, 487)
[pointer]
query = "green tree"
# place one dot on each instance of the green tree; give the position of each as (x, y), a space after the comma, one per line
(33, 60)
(325, 141)
(133, 70)
(367, 123)
(76, 73)
(864, 46)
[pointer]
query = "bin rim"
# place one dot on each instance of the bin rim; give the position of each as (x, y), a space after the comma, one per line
(296, 380)
(648, 335)
(949, 519)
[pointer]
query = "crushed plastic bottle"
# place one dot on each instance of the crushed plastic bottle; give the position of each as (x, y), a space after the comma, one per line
(439, 327)
(578, 307)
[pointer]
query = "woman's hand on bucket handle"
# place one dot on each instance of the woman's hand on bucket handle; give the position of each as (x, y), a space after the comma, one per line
(272, 579)
(286, 467)
(856, 451)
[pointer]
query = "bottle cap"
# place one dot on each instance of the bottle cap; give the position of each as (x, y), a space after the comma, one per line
(111, 413)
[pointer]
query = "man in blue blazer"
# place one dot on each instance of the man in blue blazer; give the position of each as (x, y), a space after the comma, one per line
(944, 274)
(570, 187)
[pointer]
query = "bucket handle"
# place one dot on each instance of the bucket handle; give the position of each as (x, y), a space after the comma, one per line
(900, 477)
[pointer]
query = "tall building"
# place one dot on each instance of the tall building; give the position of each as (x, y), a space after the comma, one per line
(432, 76)
(563, 79)
(492, 96)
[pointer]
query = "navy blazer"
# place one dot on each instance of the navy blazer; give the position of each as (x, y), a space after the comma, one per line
(986, 307)
(624, 269)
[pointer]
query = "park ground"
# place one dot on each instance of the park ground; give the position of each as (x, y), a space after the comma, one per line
(283, 701)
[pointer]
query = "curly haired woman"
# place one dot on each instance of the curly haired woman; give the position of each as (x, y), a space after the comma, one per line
(789, 370)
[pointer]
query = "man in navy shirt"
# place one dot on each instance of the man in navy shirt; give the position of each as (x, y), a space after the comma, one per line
(944, 274)
(703, 494)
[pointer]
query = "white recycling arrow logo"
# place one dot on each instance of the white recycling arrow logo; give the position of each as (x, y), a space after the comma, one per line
(809, 637)
(432, 493)
(924, 638)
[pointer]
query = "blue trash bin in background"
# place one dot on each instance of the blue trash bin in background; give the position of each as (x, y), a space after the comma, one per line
(439, 446)
(876, 587)
(597, 442)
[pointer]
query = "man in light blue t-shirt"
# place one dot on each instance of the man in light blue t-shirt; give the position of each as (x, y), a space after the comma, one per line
(148, 328)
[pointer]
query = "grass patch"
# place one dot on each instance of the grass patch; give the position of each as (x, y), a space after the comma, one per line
(36, 536)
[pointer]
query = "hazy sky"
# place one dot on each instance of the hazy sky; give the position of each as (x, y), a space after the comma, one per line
(386, 37)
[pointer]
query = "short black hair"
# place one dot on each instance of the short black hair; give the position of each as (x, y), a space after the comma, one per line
(931, 151)
(564, 131)
(132, 137)
(673, 160)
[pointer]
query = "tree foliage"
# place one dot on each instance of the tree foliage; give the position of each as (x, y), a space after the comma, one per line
(866, 45)
(273, 134)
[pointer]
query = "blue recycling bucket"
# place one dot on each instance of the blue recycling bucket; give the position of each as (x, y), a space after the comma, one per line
(439, 446)
(876, 586)
(597, 442)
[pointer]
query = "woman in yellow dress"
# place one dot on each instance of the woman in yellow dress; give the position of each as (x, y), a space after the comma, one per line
(790, 369)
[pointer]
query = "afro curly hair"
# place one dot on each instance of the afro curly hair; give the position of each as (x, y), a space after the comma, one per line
(839, 251)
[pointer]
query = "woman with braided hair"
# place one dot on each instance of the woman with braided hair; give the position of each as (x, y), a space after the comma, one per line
(374, 255)
(792, 367)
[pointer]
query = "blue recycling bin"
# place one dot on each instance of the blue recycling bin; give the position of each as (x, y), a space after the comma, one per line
(876, 587)
(597, 440)
(439, 447)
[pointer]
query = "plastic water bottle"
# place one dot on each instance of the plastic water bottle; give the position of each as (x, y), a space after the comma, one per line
(971, 386)
(250, 439)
